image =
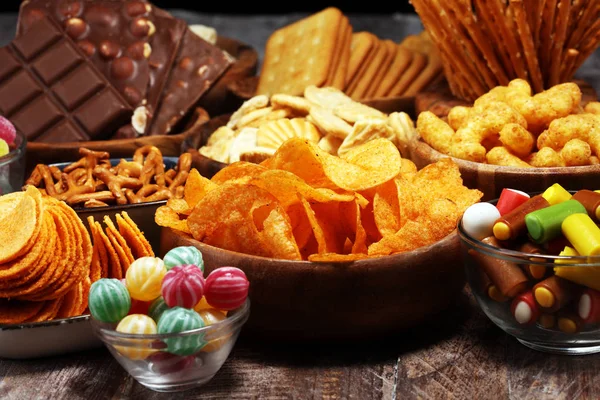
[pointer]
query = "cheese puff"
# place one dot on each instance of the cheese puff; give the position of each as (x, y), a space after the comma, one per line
(484, 125)
(594, 160)
(501, 156)
(578, 126)
(541, 109)
(576, 152)
(593, 107)
(518, 87)
(435, 131)
(545, 158)
(517, 139)
(458, 116)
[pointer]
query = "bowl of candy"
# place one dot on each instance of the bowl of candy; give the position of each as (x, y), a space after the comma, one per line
(169, 327)
(533, 264)
(12, 157)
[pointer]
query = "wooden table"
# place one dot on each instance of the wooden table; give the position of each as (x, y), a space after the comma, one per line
(460, 354)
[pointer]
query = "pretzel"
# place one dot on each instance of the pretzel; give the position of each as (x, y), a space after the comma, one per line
(183, 170)
(90, 159)
(92, 203)
(116, 183)
(153, 166)
(148, 193)
(104, 197)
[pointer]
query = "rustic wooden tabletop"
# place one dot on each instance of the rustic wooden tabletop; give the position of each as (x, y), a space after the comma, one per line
(459, 354)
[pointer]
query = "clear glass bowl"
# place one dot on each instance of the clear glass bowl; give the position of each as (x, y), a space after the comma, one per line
(12, 166)
(548, 338)
(162, 371)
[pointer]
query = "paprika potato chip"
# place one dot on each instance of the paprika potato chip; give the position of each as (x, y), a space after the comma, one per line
(238, 170)
(196, 187)
(167, 217)
(386, 208)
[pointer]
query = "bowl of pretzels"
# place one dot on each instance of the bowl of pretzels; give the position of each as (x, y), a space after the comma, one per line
(98, 185)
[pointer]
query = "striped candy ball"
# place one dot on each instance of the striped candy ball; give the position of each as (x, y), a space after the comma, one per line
(180, 319)
(139, 324)
(144, 278)
(109, 300)
(157, 308)
(226, 288)
(184, 255)
(183, 286)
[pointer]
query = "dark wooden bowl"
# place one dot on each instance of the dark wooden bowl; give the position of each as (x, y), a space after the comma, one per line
(218, 100)
(491, 179)
(301, 300)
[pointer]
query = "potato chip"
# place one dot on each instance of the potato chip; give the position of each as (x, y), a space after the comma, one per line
(101, 269)
(386, 208)
(238, 170)
(48, 311)
(15, 311)
(121, 248)
(71, 303)
(301, 227)
(168, 218)
(277, 235)
(196, 187)
(86, 284)
(352, 222)
(17, 229)
(115, 270)
(130, 231)
(362, 168)
(325, 222)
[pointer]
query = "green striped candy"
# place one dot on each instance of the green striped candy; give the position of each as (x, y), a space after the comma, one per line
(184, 256)
(179, 319)
(109, 300)
(157, 308)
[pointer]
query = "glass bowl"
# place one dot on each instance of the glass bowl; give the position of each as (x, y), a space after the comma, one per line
(12, 166)
(146, 359)
(560, 331)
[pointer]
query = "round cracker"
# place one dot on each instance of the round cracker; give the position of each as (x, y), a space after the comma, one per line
(114, 235)
(48, 311)
(115, 271)
(18, 228)
(103, 259)
(71, 302)
(15, 311)
(140, 247)
(86, 284)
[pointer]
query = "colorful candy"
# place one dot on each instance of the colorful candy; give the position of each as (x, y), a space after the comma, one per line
(226, 288)
(183, 286)
(211, 317)
(4, 149)
(138, 324)
(144, 278)
(553, 293)
(588, 306)
(512, 225)
(157, 308)
(583, 234)
(509, 200)
(167, 363)
(545, 224)
(177, 320)
(524, 308)
(534, 271)
(556, 194)
(478, 220)
(109, 300)
(139, 307)
(184, 255)
(547, 321)
(585, 276)
(569, 322)
(591, 202)
(8, 133)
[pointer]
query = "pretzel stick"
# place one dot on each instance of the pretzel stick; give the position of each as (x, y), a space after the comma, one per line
(35, 179)
(588, 17)
(148, 193)
(486, 19)
(153, 168)
(560, 34)
(575, 15)
(530, 7)
(92, 203)
(466, 16)
(568, 64)
(539, 13)
(535, 75)
(546, 37)
(104, 196)
(129, 168)
(589, 46)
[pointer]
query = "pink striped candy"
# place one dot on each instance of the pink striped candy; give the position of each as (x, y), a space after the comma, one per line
(183, 286)
(226, 288)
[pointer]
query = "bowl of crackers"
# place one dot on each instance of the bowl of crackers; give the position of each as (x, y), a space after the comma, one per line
(347, 246)
(511, 138)
(324, 116)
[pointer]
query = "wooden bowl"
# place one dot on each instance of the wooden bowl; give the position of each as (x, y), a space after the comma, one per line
(301, 300)
(218, 100)
(491, 179)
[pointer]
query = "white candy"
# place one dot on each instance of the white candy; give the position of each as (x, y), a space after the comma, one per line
(478, 220)
(523, 312)
(585, 306)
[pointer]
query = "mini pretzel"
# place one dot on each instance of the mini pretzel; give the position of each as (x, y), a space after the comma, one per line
(128, 168)
(92, 203)
(72, 188)
(153, 168)
(116, 183)
(104, 196)
(183, 170)
(90, 159)
(148, 193)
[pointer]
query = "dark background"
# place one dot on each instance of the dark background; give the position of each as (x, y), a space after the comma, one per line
(263, 7)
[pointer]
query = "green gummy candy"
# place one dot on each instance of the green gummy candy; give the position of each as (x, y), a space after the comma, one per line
(545, 224)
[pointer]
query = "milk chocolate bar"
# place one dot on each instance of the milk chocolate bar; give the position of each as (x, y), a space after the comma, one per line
(197, 67)
(53, 93)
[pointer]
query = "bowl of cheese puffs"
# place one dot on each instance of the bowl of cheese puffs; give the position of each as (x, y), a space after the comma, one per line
(511, 138)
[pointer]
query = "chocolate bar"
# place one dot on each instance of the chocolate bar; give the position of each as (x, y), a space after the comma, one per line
(198, 66)
(53, 93)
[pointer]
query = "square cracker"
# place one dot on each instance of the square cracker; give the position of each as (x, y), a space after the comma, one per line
(351, 87)
(337, 54)
(398, 67)
(300, 54)
(339, 81)
(365, 80)
(392, 49)
(361, 48)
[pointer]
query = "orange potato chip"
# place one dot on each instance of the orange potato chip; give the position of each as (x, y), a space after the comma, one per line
(367, 217)
(71, 303)
(86, 284)
(301, 227)
(196, 188)
(15, 311)
(238, 170)
(325, 222)
(286, 187)
(103, 260)
(277, 235)
(361, 168)
(168, 218)
(48, 312)
(180, 206)
(140, 247)
(119, 243)
(336, 258)
(18, 228)
(114, 271)
(352, 222)
(386, 208)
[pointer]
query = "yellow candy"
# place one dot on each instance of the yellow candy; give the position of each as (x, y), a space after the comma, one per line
(144, 278)
(583, 233)
(211, 317)
(202, 305)
(586, 276)
(137, 324)
(556, 194)
(569, 252)
(4, 149)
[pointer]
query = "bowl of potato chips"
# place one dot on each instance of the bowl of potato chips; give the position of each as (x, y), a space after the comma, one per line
(509, 138)
(352, 246)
